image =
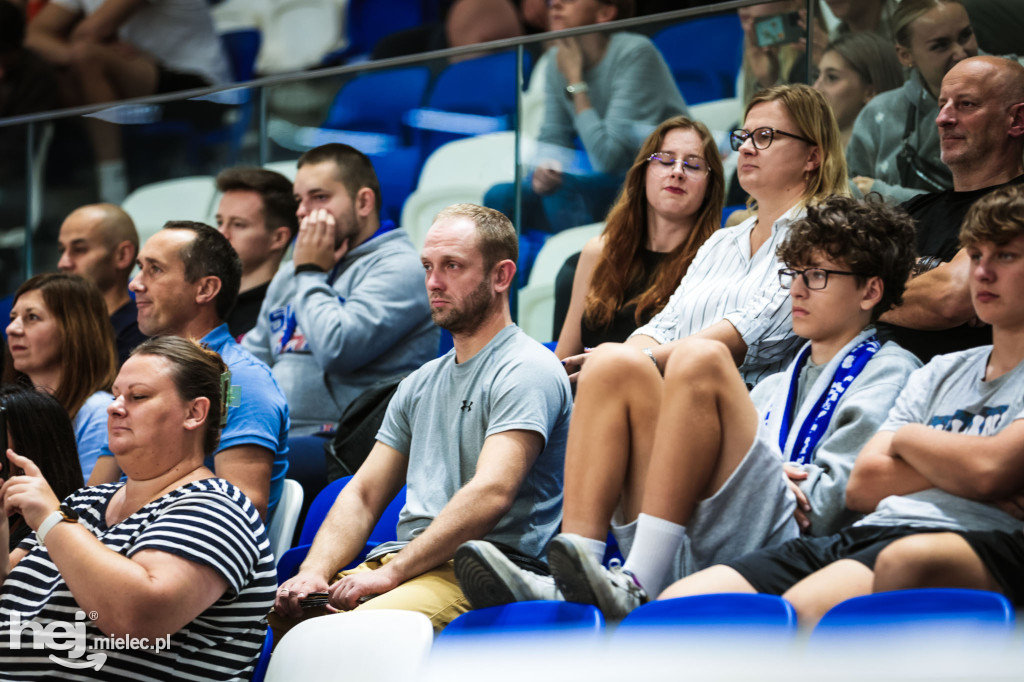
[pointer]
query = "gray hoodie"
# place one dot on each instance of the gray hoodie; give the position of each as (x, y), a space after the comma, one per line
(329, 336)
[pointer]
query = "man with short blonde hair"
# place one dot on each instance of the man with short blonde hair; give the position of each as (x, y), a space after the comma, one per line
(478, 436)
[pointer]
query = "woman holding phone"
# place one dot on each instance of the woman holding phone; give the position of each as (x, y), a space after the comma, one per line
(171, 554)
(32, 422)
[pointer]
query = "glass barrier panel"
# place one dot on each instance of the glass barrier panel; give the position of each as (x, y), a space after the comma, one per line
(19, 201)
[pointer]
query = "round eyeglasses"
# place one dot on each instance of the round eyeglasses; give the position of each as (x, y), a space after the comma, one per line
(694, 166)
(761, 138)
(814, 278)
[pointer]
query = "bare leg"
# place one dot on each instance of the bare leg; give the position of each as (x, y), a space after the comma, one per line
(813, 596)
(709, 581)
(107, 73)
(707, 425)
(617, 398)
(478, 21)
(931, 560)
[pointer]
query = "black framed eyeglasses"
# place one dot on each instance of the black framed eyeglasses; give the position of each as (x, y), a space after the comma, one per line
(693, 165)
(761, 138)
(814, 278)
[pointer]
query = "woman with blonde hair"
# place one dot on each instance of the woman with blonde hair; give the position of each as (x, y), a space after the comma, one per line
(731, 295)
(60, 340)
(854, 69)
(670, 204)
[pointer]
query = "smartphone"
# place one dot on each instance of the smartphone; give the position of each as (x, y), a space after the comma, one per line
(778, 29)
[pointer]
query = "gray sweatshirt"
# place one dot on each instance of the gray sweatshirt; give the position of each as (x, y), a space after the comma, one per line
(862, 409)
(877, 138)
(631, 91)
(329, 336)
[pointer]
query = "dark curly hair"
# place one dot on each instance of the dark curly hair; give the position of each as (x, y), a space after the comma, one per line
(997, 217)
(866, 236)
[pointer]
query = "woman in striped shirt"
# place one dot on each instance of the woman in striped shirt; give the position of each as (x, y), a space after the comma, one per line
(166, 574)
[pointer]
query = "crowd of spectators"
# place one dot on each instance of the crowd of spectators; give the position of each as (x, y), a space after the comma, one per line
(858, 338)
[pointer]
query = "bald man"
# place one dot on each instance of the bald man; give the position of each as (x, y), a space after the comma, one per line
(981, 137)
(99, 242)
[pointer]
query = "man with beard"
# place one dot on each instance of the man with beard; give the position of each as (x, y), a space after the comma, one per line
(477, 435)
(349, 310)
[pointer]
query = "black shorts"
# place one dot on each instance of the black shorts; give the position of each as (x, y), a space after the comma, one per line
(1003, 556)
(168, 80)
(775, 569)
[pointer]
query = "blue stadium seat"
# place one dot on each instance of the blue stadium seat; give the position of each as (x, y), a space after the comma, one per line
(384, 531)
(260, 671)
(242, 46)
(367, 21)
(375, 102)
(528, 617)
(908, 611)
(707, 611)
(6, 303)
(470, 97)
(307, 465)
(704, 56)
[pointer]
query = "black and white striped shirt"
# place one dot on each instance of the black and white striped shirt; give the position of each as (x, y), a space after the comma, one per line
(727, 282)
(209, 522)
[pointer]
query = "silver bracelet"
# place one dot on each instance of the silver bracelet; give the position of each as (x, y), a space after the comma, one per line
(650, 353)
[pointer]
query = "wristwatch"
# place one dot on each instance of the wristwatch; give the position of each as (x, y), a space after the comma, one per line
(579, 87)
(65, 514)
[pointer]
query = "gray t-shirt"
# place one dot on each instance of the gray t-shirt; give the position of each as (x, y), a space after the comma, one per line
(950, 393)
(443, 412)
(809, 374)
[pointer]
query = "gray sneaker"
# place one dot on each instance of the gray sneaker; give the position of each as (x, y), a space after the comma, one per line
(614, 590)
(489, 578)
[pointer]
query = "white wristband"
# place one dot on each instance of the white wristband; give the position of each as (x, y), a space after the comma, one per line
(47, 525)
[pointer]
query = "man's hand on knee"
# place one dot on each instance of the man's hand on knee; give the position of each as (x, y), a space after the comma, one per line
(295, 590)
(352, 590)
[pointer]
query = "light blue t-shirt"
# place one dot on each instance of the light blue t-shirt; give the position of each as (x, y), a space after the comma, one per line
(261, 416)
(91, 430)
(442, 413)
(951, 394)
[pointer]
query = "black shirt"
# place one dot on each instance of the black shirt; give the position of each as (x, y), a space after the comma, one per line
(126, 330)
(624, 322)
(247, 310)
(938, 216)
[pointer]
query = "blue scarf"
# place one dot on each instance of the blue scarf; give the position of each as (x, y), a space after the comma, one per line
(818, 418)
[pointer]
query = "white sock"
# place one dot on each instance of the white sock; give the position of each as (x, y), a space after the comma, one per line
(654, 551)
(112, 180)
(595, 548)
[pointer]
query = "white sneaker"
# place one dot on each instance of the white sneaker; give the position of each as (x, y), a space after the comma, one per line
(614, 590)
(489, 578)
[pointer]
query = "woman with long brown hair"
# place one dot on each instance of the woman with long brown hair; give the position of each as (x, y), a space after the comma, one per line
(60, 340)
(670, 204)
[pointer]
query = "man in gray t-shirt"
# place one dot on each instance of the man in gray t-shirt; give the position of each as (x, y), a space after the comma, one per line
(478, 436)
(948, 454)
